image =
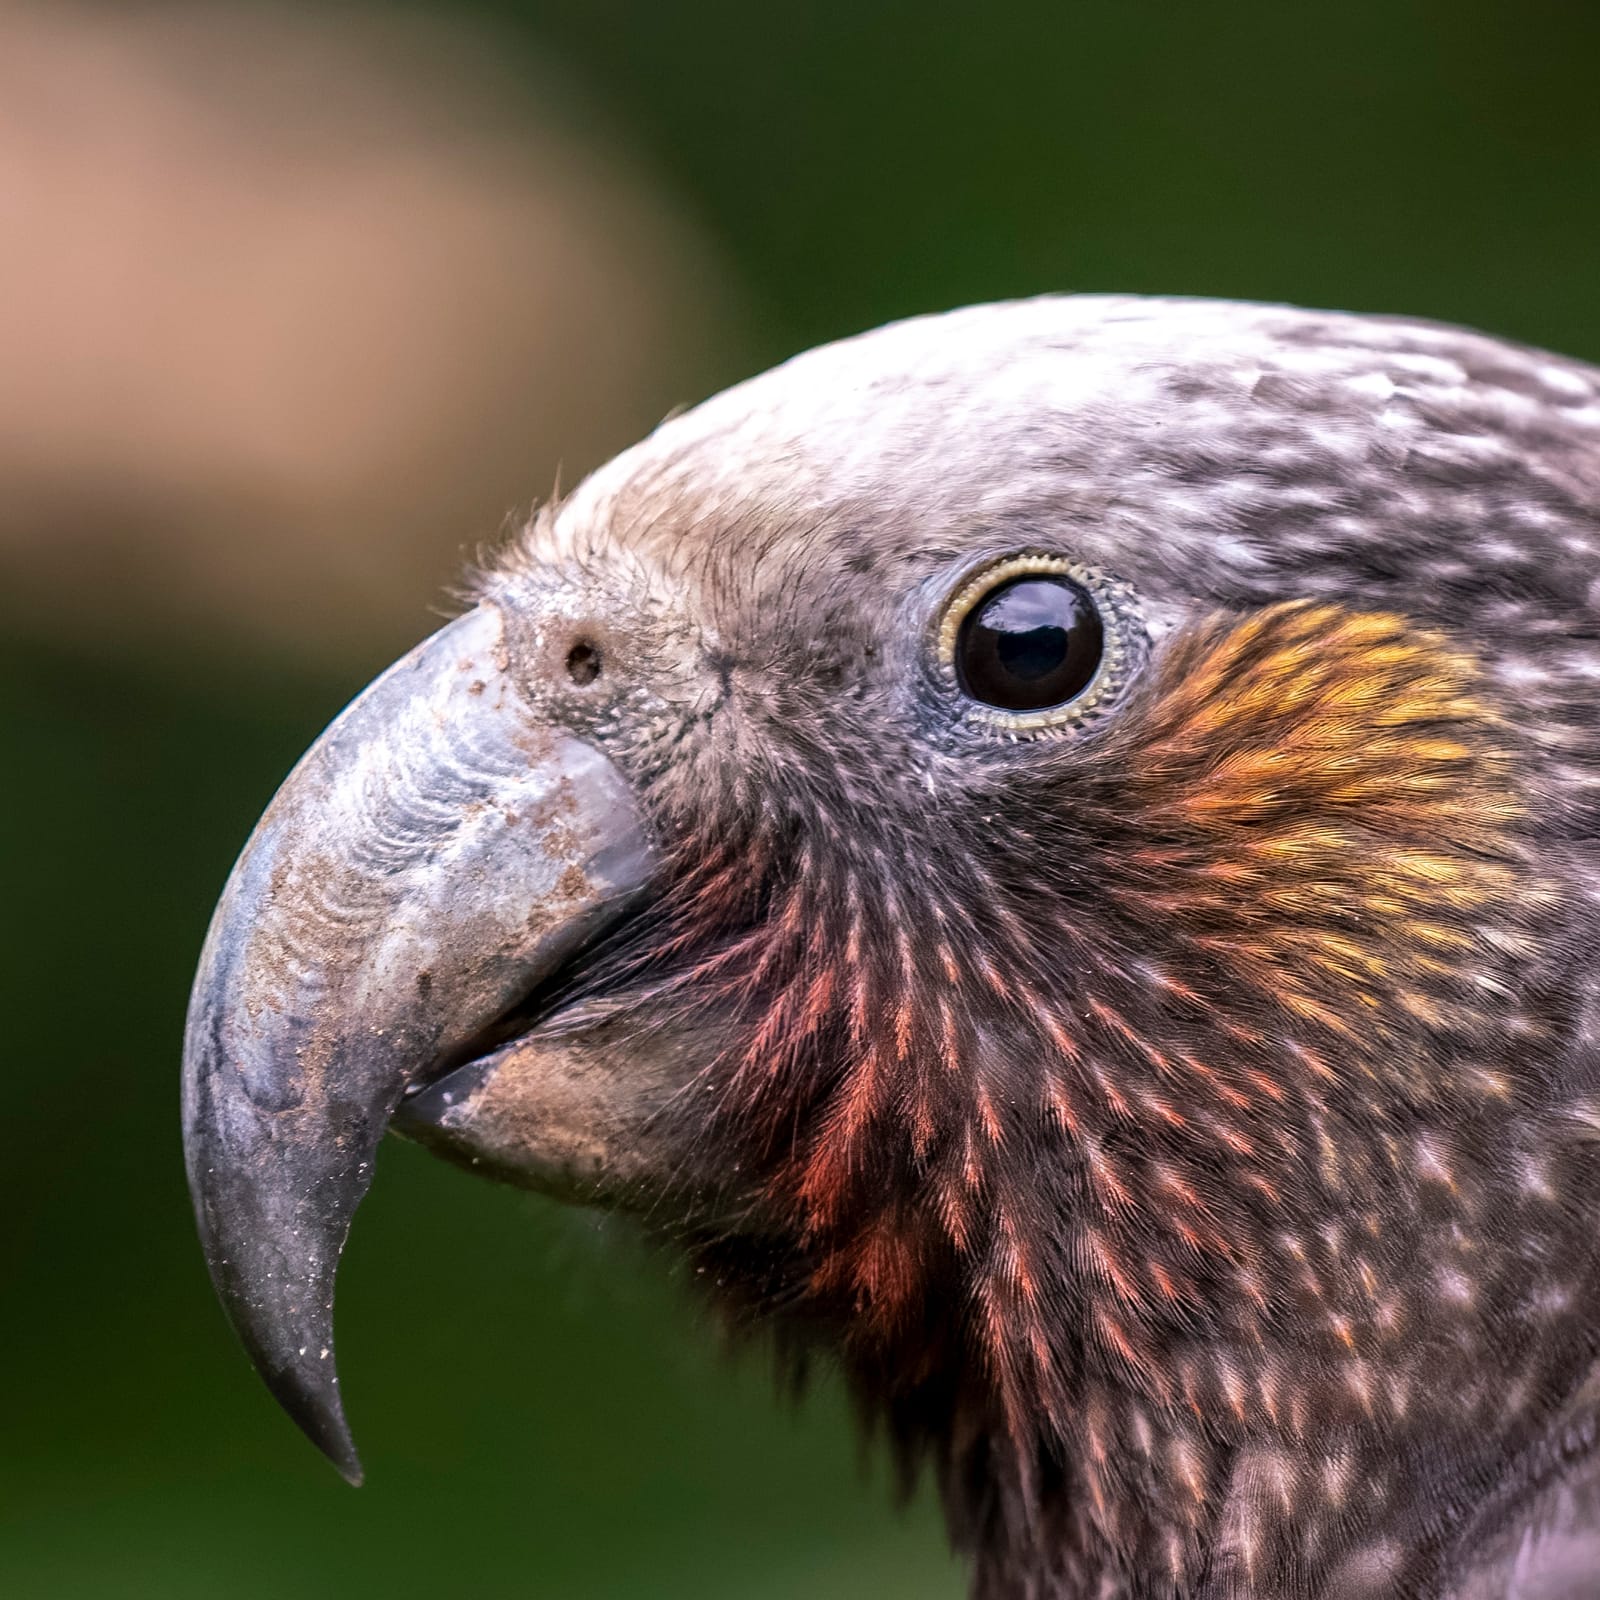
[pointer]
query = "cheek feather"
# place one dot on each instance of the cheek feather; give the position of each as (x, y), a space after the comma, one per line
(1196, 1137)
(1297, 827)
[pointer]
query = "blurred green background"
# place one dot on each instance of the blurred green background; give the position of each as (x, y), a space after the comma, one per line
(299, 305)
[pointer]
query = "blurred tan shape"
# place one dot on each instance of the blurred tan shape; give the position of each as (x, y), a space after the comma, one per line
(295, 306)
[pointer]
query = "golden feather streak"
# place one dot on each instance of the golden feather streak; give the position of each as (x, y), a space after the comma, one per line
(1333, 806)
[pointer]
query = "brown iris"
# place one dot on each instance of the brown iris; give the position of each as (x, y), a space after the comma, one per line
(1035, 641)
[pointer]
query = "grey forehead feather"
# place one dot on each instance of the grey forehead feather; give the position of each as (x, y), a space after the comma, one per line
(1212, 448)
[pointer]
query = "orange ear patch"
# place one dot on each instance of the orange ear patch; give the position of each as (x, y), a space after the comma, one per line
(1307, 716)
(1325, 804)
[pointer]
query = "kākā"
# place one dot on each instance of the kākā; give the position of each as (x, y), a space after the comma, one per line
(1053, 850)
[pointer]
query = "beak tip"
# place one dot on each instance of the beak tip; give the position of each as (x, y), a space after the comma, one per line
(272, 1258)
(349, 1468)
(311, 1399)
(340, 1449)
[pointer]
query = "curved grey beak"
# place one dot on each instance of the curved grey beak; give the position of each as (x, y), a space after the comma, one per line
(436, 857)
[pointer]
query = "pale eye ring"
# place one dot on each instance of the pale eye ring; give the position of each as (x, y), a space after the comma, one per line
(1035, 642)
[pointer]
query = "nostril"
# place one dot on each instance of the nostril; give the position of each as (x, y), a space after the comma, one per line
(583, 662)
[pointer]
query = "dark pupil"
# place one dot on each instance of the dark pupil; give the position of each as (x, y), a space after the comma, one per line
(1034, 642)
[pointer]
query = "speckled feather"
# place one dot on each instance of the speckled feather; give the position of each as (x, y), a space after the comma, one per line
(1183, 1129)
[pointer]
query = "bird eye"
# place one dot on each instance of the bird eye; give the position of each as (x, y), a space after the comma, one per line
(1036, 642)
(1030, 643)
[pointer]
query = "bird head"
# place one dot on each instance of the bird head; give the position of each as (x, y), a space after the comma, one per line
(1033, 845)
